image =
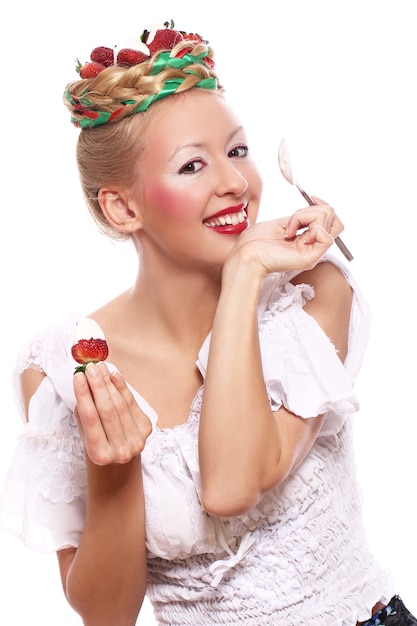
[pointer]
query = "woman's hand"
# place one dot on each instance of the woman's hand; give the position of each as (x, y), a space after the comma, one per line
(319, 214)
(112, 426)
(296, 242)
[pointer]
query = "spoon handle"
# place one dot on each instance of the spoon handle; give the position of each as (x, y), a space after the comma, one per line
(344, 250)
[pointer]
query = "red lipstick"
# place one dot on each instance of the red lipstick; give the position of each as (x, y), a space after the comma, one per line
(230, 221)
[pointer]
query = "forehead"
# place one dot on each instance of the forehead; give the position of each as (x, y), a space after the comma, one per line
(190, 115)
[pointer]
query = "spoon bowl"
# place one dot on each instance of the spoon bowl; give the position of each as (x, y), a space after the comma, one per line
(284, 162)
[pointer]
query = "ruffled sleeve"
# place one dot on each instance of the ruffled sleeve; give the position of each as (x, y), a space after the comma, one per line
(44, 494)
(302, 370)
(301, 367)
(43, 498)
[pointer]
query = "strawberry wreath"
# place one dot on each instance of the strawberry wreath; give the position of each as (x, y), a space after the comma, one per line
(166, 48)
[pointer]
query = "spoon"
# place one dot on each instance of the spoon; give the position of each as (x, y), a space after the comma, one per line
(284, 163)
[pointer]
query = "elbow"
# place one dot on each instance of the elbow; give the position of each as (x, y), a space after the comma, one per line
(229, 498)
(218, 507)
(97, 611)
(92, 616)
(230, 501)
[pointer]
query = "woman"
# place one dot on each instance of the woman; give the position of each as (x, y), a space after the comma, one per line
(209, 461)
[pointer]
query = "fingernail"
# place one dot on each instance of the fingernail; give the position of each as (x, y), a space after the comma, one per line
(79, 378)
(92, 369)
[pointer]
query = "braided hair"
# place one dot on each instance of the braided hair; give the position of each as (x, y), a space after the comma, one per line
(104, 108)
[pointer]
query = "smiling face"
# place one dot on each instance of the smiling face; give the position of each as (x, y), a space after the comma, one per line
(198, 188)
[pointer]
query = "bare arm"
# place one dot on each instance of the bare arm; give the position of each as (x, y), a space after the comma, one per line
(245, 448)
(104, 579)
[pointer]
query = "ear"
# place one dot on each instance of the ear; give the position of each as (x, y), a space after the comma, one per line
(119, 211)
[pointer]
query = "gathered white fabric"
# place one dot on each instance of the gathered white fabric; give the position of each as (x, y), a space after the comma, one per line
(298, 558)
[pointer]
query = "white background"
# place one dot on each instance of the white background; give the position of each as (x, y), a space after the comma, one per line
(337, 79)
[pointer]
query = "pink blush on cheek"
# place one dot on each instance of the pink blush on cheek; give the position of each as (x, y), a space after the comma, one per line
(170, 202)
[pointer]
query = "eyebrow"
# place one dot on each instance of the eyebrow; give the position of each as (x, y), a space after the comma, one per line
(203, 145)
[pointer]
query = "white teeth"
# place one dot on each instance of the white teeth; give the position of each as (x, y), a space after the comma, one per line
(231, 219)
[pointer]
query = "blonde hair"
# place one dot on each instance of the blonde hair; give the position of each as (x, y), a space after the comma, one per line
(108, 153)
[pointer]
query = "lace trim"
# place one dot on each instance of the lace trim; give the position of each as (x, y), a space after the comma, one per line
(32, 356)
(55, 462)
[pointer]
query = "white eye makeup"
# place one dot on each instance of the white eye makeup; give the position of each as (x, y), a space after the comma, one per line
(240, 151)
(201, 156)
(192, 167)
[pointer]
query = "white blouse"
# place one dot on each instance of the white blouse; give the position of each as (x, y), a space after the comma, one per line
(300, 557)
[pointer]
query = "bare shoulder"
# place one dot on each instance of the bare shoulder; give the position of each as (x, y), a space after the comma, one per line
(111, 306)
(110, 313)
(332, 302)
(327, 278)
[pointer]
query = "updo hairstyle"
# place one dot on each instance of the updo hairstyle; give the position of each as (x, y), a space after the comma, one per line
(108, 154)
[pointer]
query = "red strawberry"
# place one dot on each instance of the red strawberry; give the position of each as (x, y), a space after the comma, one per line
(193, 37)
(127, 57)
(165, 39)
(103, 55)
(89, 69)
(89, 344)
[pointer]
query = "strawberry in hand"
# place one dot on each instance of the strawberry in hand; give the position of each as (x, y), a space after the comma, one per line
(89, 344)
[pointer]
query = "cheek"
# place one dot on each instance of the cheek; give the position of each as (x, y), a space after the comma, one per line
(256, 187)
(256, 182)
(170, 202)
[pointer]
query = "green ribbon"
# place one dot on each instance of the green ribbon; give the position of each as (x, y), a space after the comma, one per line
(165, 60)
(91, 118)
(170, 87)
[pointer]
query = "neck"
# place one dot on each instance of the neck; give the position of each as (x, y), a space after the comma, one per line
(182, 302)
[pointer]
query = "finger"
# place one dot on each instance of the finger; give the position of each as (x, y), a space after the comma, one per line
(305, 218)
(335, 224)
(319, 236)
(138, 420)
(318, 200)
(336, 227)
(109, 405)
(86, 413)
(125, 425)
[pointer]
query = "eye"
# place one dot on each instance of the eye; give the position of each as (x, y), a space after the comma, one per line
(239, 151)
(192, 167)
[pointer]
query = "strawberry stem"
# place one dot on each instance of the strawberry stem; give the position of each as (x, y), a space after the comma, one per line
(144, 36)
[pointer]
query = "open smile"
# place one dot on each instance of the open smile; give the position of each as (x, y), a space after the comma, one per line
(229, 221)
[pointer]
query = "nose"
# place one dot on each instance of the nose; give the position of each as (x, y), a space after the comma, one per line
(230, 179)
